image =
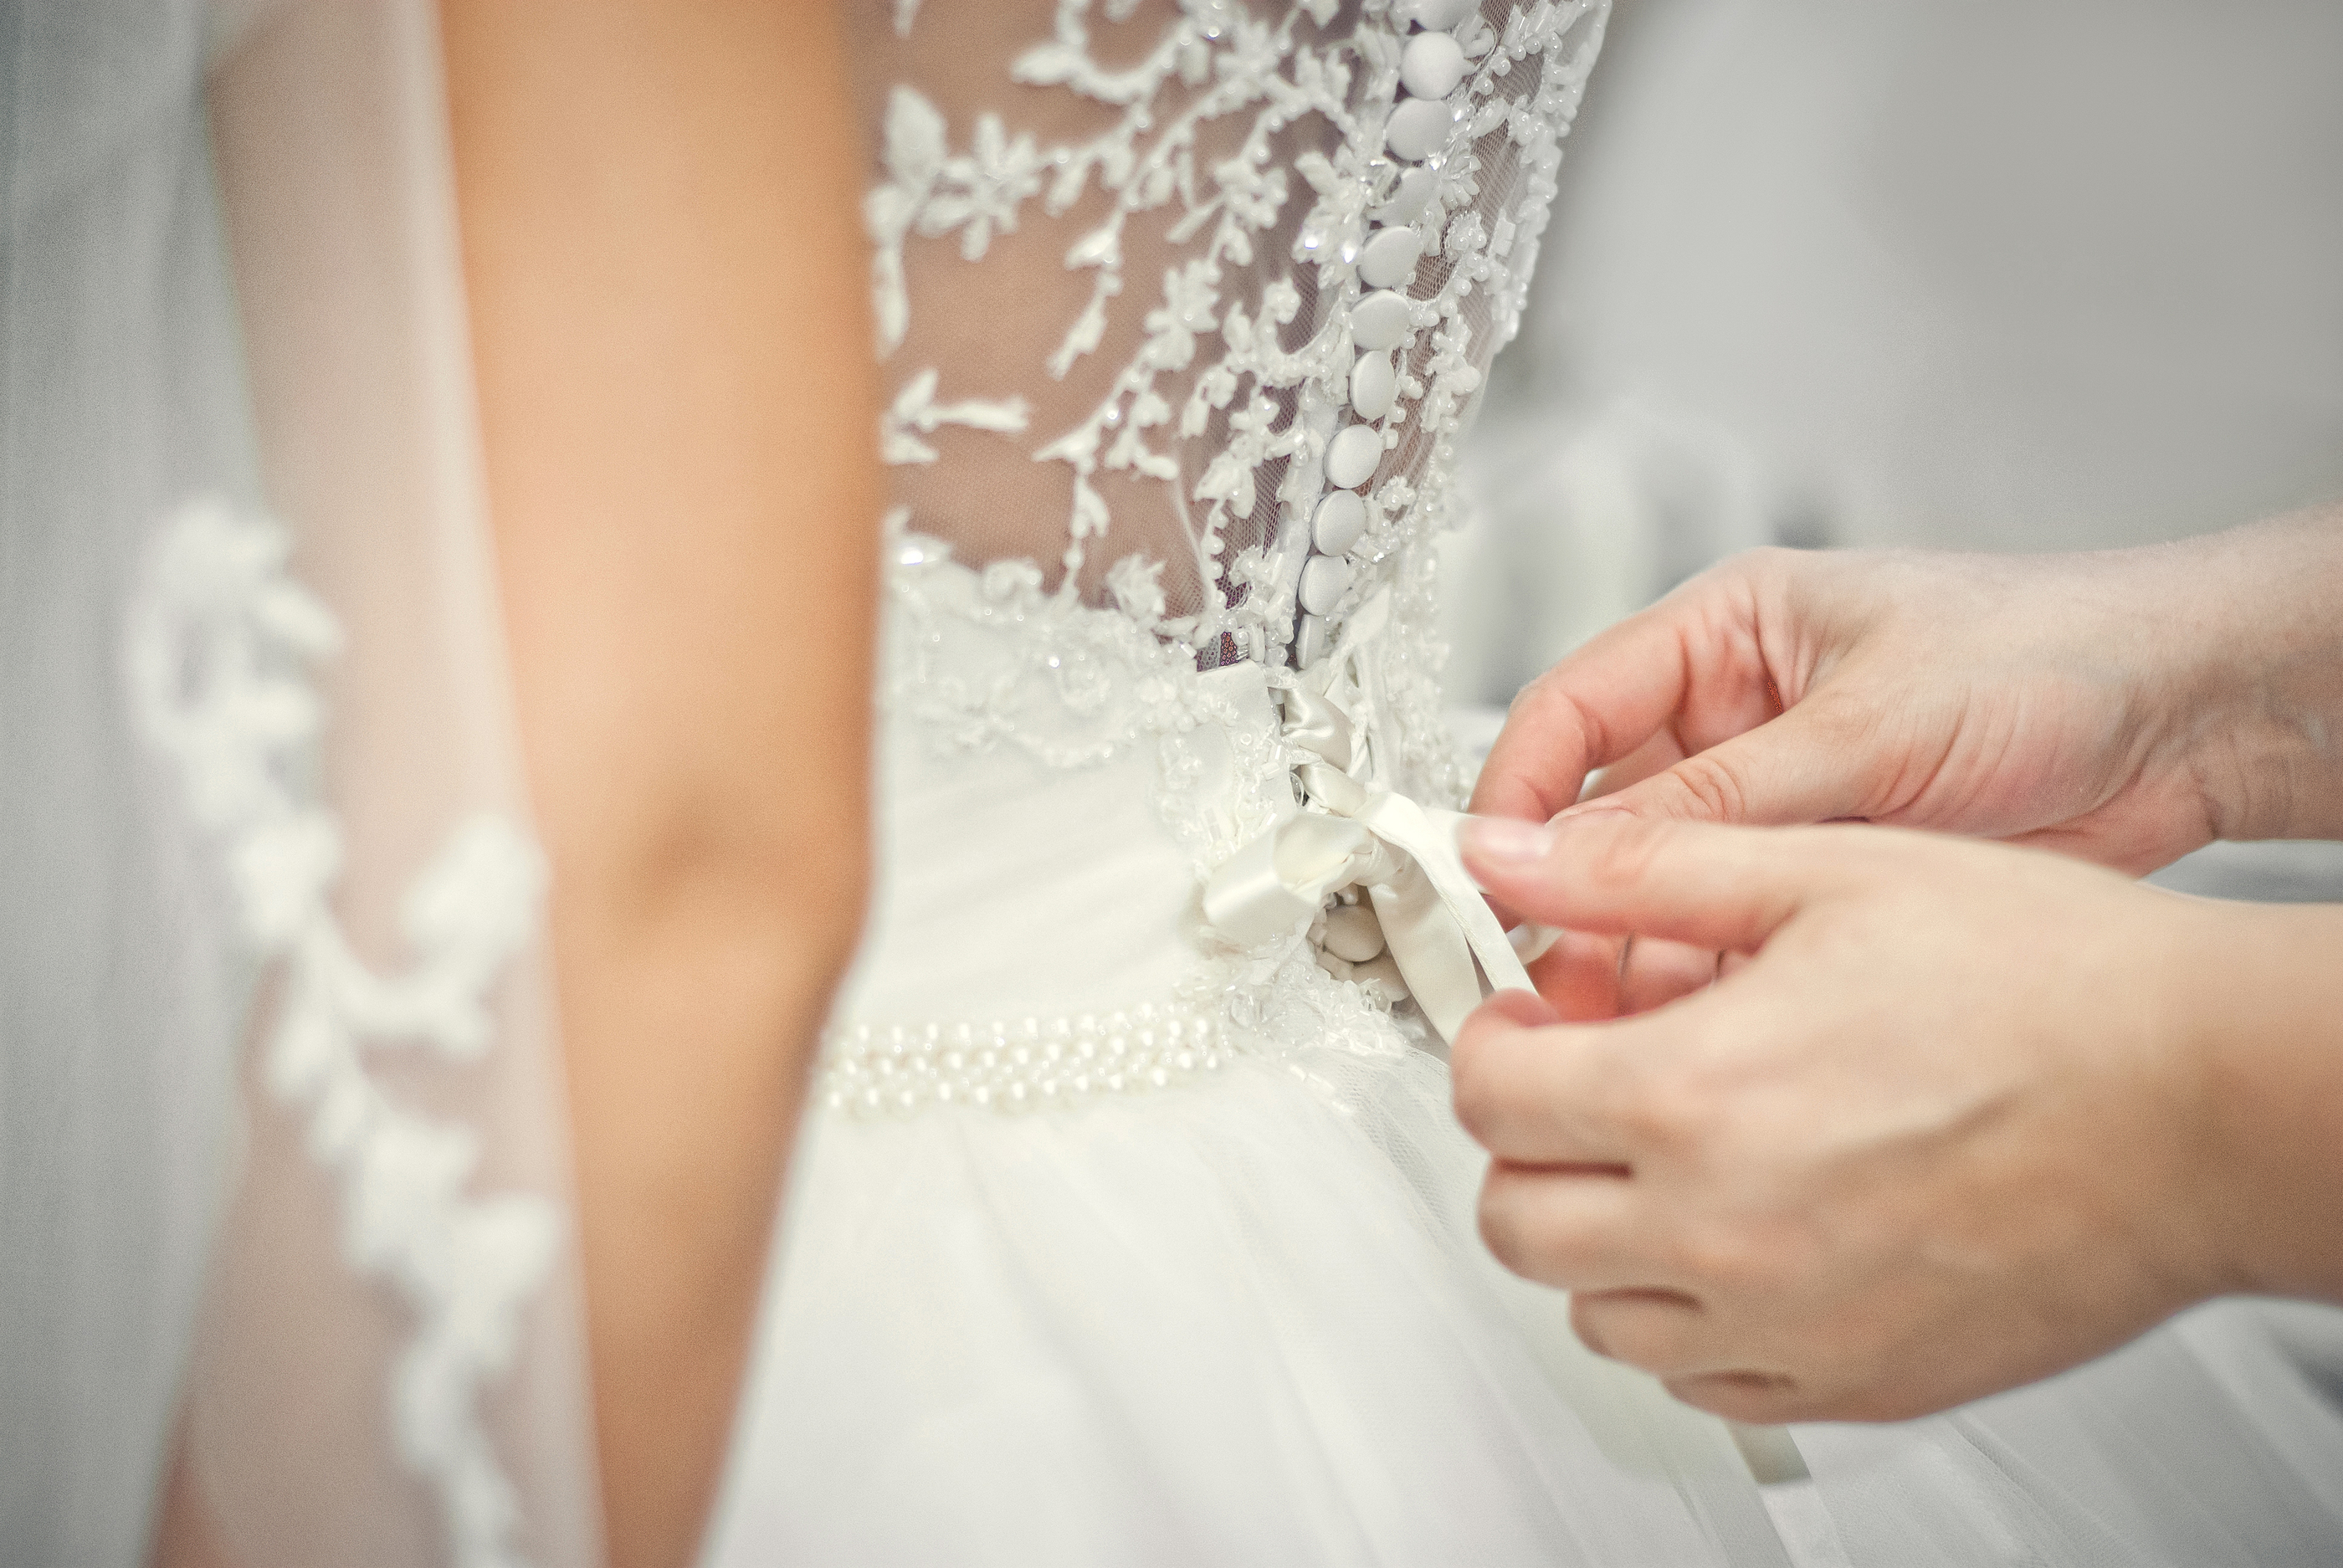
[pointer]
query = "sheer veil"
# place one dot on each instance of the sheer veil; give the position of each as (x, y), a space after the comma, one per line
(284, 1213)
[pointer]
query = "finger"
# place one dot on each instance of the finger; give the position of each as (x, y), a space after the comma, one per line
(1813, 764)
(1528, 1089)
(1713, 886)
(1590, 977)
(1698, 647)
(1579, 976)
(1662, 1330)
(1748, 1395)
(1656, 755)
(1655, 971)
(1570, 1229)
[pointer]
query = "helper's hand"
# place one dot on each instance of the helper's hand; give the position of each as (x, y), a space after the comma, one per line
(2124, 706)
(1963, 1120)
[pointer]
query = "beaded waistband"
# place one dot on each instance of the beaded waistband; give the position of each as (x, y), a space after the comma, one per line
(1015, 1065)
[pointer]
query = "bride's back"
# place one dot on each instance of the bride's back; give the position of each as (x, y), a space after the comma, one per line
(1140, 266)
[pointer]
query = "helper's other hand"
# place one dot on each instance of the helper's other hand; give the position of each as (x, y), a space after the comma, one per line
(2124, 706)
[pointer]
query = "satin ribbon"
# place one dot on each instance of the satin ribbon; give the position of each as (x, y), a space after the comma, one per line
(1350, 830)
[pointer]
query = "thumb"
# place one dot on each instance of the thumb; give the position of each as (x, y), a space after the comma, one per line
(1808, 765)
(1606, 872)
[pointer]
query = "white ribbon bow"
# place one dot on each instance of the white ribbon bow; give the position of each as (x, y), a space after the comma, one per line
(1350, 831)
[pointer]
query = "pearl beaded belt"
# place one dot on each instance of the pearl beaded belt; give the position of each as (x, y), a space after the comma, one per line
(1025, 1064)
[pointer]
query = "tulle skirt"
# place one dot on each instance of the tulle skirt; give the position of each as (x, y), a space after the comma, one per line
(1249, 1322)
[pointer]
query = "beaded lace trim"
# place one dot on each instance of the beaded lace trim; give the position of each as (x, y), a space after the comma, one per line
(1013, 1065)
(218, 641)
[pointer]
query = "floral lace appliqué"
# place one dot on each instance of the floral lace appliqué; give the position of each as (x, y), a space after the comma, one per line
(1352, 291)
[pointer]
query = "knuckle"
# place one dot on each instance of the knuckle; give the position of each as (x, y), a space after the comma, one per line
(1708, 784)
(1591, 1324)
(1653, 1118)
(1621, 851)
(1514, 1235)
(1500, 1217)
(1477, 1089)
(1642, 1332)
(1757, 1399)
(1727, 1258)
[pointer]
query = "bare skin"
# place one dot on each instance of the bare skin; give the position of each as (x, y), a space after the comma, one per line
(659, 203)
(659, 208)
(1955, 1115)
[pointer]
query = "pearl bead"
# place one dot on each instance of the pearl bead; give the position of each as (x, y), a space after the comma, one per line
(1388, 260)
(1311, 640)
(1352, 457)
(1416, 127)
(1353, 933)
(1375, 384)
(1339, 521)
(1323, 582)
(1379, 320)
(1010, 1066)
(1432, 65)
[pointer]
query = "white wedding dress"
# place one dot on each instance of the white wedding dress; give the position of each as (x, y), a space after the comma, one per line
(1132, 1224)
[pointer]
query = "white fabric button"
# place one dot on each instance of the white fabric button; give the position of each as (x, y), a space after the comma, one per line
(1385, 969)
(1438, 16)
(1432, 65)
(1408, 197)
(1389, 259)
(1311, 640)
(1379, 320)
(1416, 127)
(1353, 933)
(1352, 457)
(1323, 583)
(1340, 519)
(1375, 383)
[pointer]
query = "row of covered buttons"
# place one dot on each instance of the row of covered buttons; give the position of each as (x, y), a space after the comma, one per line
(1431, 67)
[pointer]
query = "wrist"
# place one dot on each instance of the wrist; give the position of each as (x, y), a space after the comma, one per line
(2256, 684)
(2260, 1021)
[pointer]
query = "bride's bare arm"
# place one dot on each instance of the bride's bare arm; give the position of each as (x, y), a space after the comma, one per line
(660, 210)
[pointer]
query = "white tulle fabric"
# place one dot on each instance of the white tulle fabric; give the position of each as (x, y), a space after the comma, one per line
(1119, 1235)
(287, 1196)
(1237, 1315)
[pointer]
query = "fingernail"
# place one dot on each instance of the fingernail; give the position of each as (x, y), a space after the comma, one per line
(1506, 842)
(1586, 809)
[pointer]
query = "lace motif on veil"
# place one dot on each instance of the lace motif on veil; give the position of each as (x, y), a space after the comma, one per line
(218, 641)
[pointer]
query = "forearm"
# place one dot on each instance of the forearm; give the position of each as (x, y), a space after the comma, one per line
(659, 206)
(2259, 613)
(2264, 998)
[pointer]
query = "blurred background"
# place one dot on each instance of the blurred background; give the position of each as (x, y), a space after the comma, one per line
(2004, 276)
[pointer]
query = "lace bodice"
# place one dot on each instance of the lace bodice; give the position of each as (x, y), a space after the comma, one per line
(1185, 303)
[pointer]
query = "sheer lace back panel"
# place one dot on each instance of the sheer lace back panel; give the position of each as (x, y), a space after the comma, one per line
(1184, 304)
